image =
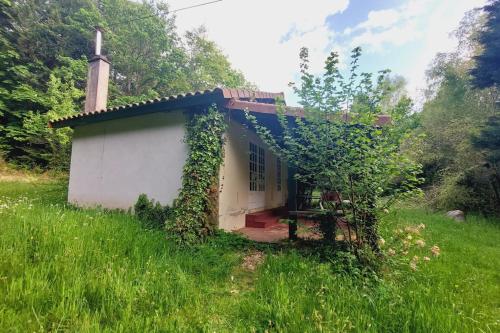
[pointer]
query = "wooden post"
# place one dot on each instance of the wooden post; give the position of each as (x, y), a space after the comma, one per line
(292, 202)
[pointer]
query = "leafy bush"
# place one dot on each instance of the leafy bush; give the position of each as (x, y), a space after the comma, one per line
(27, 141)
(469, 191)
(151, 213)
(334, 147)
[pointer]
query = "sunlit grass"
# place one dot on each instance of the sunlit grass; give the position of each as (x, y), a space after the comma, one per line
(63, 268)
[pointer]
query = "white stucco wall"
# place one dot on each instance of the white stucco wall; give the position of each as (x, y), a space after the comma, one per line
(234, 178)
(112, 162)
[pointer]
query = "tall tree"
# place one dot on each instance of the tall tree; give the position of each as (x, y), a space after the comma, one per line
(454, 113)
(486, 72)
(149, 59)
(141, 40)
(48, 146)
(207, 65)
(488, 142)
(20, 87)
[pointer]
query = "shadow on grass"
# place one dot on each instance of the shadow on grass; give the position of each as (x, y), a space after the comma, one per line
(337, 255)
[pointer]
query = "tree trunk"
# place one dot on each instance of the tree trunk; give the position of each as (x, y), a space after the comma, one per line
(371, 231)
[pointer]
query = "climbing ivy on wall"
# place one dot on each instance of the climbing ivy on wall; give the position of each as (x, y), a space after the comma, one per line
(195, 213)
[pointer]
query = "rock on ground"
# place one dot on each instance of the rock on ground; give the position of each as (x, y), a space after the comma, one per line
(457, 215)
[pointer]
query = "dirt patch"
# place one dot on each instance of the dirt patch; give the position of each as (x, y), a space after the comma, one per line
(252, 260)
(19, 178)
(9, 173)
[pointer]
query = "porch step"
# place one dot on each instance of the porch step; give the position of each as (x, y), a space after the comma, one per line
(262, 223)
(264, 219)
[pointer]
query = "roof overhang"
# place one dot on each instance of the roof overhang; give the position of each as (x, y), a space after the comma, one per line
(218, 96)
(271, 109)
(256, 107)
(257, 102)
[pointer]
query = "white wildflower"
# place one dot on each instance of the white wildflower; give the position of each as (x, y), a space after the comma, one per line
(436, 251)
(420, 242)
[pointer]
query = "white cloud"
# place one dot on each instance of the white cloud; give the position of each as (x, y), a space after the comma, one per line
(381, 19)
(396, 36)
(395, 26)
(439, 24)
(251, 34)
(429, 22)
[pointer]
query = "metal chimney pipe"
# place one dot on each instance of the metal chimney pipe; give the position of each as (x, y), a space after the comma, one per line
(98, 41)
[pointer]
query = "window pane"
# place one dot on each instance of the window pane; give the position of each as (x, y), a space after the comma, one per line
(262, 170)
(257, 168)
(253, 167)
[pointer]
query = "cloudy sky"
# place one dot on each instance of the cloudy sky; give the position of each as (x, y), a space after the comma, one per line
(262, 38)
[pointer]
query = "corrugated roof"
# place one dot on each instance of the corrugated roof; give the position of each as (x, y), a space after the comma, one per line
(248, 94)
(235, 99)
(187, 100)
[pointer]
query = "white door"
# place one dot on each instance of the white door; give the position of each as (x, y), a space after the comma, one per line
(257, 177)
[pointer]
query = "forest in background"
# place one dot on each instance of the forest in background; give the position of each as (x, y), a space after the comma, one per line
(458, 127)
(45, 45)
(44, 48)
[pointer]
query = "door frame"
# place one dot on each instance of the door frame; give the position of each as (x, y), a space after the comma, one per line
(257, 181)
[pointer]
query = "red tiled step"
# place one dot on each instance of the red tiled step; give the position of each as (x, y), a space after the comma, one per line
(262, 219)
(260, 215)
(262, 222)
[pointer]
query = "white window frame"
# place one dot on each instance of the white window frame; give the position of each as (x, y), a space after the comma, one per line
(257, 168)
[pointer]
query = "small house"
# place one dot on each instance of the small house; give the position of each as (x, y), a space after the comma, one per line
(120, 152)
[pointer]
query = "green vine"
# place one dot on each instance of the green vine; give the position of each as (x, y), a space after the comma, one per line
(195, 213)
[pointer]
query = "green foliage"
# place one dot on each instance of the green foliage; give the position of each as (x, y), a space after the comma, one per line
(486, 72)
(456, 170)
(470, 191)
(26, 138)
(146, 54)
(63, 268)
(207, 65)
(40, 39)
(48, 146)
(488, 142)
(151, 214)
(195, 213)
(355, 158)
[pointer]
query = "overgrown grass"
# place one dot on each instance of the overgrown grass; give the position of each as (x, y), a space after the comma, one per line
(63, 268)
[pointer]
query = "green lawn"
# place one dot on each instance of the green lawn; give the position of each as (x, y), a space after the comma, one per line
(67, 269)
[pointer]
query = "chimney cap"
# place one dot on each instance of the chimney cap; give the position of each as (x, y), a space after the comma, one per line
(99, 57)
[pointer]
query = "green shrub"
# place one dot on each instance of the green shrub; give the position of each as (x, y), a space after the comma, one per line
(470, 191)
(151, 213)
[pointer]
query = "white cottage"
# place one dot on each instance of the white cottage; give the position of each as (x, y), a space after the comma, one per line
(119, 153)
